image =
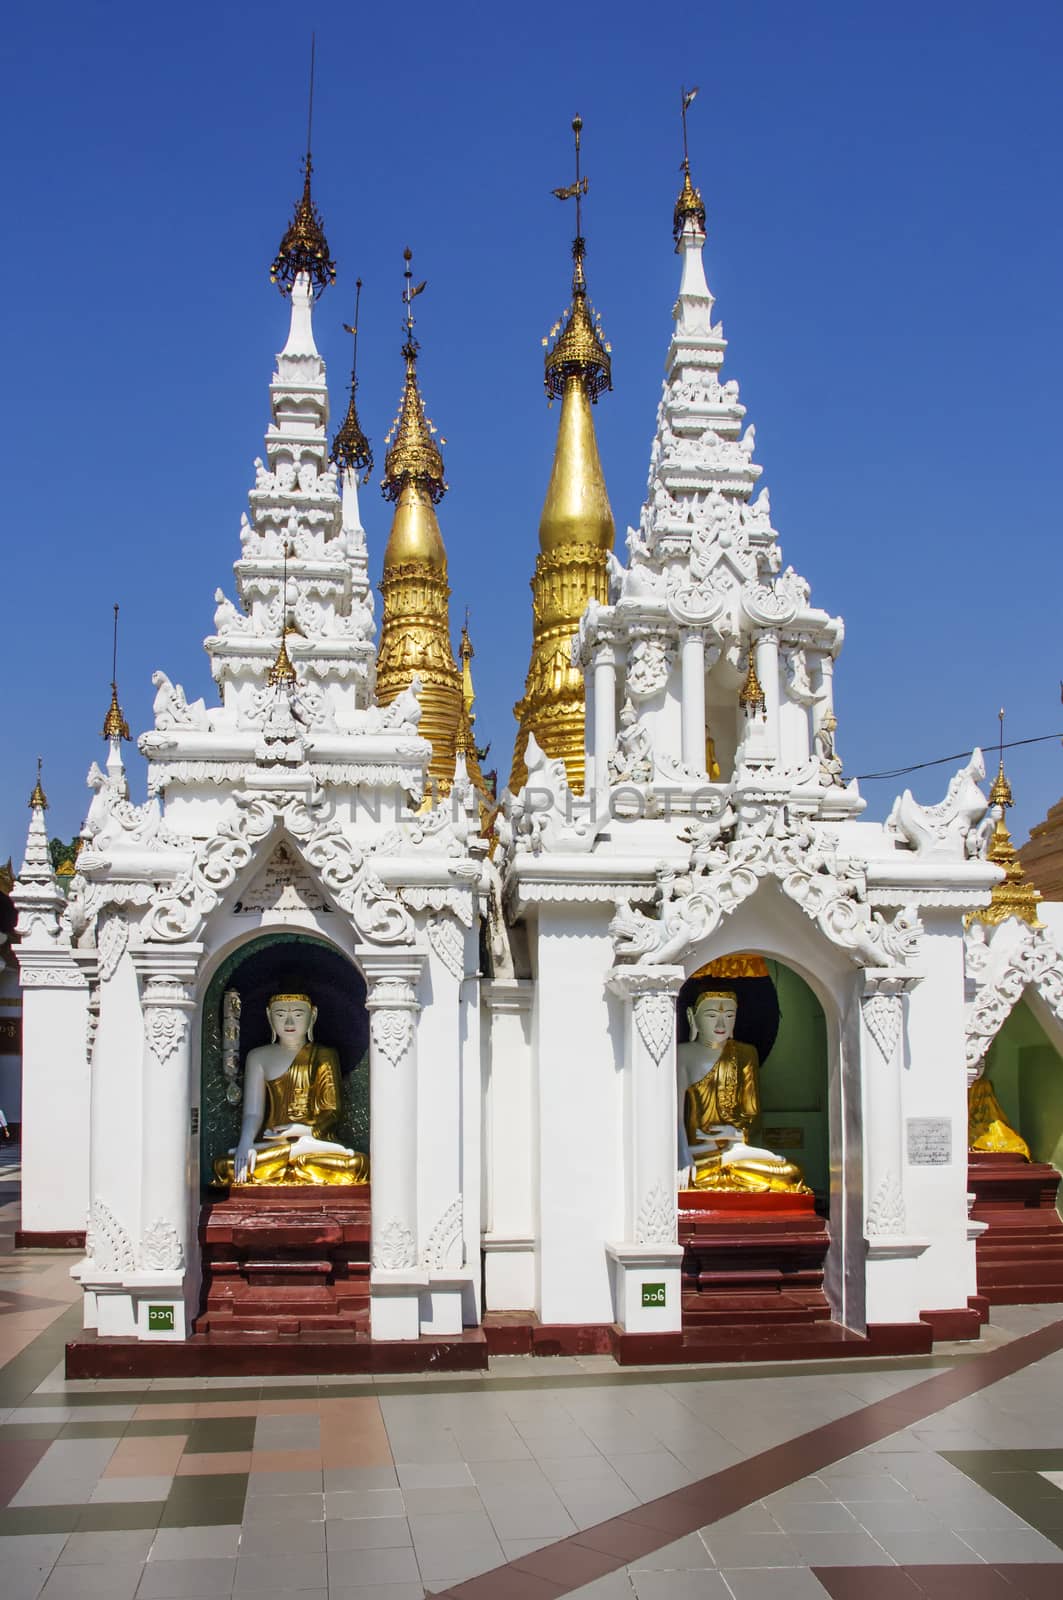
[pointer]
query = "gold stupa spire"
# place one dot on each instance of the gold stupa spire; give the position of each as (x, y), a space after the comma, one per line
(576, 529)
(689, 205)
(751, 695)
(351, 450)
(38, 799)
(304, 248)
(1014, 896)
(415, 629)
(115, 725)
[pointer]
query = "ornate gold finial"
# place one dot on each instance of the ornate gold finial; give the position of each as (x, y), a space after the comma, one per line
(413, 455)
(351, 449)
(1013, 896)
(690, 204)
(281, 674)
(38, 799)
(115, 725)
(304, 248)
(579, 349)
(751, 696)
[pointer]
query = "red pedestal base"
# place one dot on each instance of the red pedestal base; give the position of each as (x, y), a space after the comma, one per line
(1020, 1255)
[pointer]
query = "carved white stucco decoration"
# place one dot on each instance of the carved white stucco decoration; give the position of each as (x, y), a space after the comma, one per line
(447, 940)
(394, 1249)
(999, 968)
(161, 1249)
(948, 830)
(883, 1014)
(445, 1246)
(886, 1213)
(655, 1020)
(165, 1031)
(106, 1241)
(112, 939)
(656, 1220)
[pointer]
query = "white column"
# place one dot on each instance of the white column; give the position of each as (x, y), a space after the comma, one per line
(510, 1101)
(891, 1253)
(647, 1263)
(604, 710)
(55, 1097)
(167, 977)
(397, 1278)
(768, 673)
(692, 667)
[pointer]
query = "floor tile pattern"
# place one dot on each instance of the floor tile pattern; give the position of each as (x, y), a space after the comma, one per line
(932, 1476)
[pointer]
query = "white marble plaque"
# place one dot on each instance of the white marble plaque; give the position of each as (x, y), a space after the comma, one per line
(929, 1141)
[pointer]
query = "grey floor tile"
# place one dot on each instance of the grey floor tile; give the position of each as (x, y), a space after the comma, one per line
(511, 1474)
(284, 1507)
(284, 1538)
(361, 1478)
(614, 1586)
(368, 1533)
(351, 1568)
(308, 1481)
(866, 1486)
(189, 1544)
(369, 1591)
(454, 1563)
(86, 1549)
(807, 1489)
(426, 1502)
(255, 1573)
(825, 1516)
(751, 1519)
(473, 1526)
(679, 1586)
(683, 1555)
(577, 1469)
(595, 1501)
(651, 1472)
(112, 1581)
(1002, 1544)
(526, 1513)
(752, 1549)
(896, 1516)
(513, 1549)
(773, 1583)
(341, 1503)
(975, 1511)
(430, 1475)
(172, 1580)
(855, 1549)
(115, 1491)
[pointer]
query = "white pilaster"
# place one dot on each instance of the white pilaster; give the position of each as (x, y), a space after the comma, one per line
(768, 673)
(892, 1291)
(397, 1279)
(692, 667)
(604, 710)
(55, 1094)
(167, 977)
(510, 1222)
(649, 1258)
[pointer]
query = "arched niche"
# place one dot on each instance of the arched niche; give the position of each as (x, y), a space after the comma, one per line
(265, 965)
(781, 1016)
(1026, 1071)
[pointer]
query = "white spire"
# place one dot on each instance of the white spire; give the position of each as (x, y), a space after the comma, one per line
(301, 328)
(36, 892)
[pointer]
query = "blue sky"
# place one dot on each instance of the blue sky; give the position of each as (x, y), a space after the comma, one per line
(885, 246)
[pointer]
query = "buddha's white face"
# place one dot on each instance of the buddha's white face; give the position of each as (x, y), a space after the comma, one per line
(291, 1021)
(713, 1019)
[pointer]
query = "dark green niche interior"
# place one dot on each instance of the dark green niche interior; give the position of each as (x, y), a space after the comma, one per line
(279, 963)
(1026, 1072)
(781, 1017)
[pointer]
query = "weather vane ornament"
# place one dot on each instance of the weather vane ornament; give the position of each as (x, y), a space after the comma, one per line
(579, 349)
(115, 725)
(38, 799)
(351, 450)
(304, 249)
(413, 455)
(689, 206)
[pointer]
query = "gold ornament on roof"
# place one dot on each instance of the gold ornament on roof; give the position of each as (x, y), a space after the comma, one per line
(351, 450)
(413, 455)
(751, 697)
(690, 205)
(38, 799)
(579, 350)
(281, 674)
(1014, 896)
(115, 725)
(304, 248)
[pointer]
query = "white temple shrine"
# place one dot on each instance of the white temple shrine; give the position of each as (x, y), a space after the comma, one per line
(333, 1069)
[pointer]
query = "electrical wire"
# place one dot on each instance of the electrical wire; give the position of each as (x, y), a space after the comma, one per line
(961, 755)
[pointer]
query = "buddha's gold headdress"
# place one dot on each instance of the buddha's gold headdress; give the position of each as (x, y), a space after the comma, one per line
(715, 994)
(282, 999)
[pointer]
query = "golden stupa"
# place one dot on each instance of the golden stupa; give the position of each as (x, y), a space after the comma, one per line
(576, 529)
(415, 630)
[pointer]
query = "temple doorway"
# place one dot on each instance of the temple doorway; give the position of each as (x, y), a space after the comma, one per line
(1026, 1072)
(780, 1016)
(234, 1022)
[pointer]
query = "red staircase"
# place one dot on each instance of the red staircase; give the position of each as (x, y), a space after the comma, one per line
(286, 1263)
(1019, 1257)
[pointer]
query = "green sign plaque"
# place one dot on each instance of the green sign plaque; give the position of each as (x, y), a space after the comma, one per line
(653, 1294)
(160, 1319)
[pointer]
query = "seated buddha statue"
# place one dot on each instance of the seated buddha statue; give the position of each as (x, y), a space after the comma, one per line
(291, 1105)
(987, 1126)
(721, 1106)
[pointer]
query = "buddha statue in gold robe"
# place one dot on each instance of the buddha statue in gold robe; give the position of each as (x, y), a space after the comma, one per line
(721, 1107)
(291, 1105)
(987, 1127)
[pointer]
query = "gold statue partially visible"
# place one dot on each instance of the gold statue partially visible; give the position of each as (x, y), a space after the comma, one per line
(987, 1127)
(291, 1102)
(721, 1106)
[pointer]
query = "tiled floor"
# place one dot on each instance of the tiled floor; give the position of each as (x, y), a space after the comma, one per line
(542, 1478)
